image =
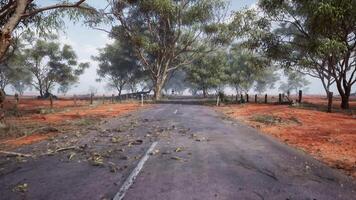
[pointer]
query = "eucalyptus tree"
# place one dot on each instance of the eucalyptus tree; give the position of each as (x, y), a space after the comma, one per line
(118, 66)
(52, 64)
(208, 72)
(245, 68)
(316, 37)
(15, 15)
(267, 79)
(165, 33)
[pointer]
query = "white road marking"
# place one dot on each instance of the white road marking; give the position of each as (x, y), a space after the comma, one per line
(175, 112)
(129, 181)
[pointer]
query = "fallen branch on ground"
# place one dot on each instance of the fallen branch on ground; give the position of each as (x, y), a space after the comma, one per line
(9, 153)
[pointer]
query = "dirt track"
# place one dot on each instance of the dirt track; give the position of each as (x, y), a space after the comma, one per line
(200, 155)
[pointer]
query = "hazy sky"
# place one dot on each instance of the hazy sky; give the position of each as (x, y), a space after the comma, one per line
(86, 41)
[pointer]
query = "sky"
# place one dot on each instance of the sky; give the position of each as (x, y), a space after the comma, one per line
(86, 42)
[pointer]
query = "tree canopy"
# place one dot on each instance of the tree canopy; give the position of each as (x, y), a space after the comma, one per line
(118, 65)
(52, 64)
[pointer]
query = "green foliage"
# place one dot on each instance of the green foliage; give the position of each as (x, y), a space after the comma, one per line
(12, 71)
(208, 72)
(52, 64)
(167, 34)
(118, 65)
(245, 69)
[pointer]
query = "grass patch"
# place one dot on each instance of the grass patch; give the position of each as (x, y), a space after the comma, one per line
(267, 119)
(274, 120)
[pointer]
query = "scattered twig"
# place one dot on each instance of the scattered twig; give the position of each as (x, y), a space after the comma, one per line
(9, 153)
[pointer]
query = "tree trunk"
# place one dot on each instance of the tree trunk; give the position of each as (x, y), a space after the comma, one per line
(204, 92)
(344, 94)
(10, 25)
(157, 91)
(345, 101)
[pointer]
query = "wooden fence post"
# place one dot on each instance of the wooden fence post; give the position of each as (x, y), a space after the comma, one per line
(17, 100)
(91, 98)
(103, 98)
(112, 98)
(75, 99)
(330, 101)
(266, 98)
(51, 100)
(255, 98)
(141, 99)
(300, 96)
(242, 99)
(280, 98)
(247, 99)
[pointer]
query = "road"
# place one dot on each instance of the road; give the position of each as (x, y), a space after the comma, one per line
(200, 154)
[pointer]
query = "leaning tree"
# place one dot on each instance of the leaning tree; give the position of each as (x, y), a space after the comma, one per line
(164, 33)
(17, 14)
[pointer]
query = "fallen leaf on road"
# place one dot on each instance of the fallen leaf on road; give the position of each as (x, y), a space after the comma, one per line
(96, 160)
(176, 158)
(179, 149)
(155, 152)
(71, 155)
(21, 188)
(115, 139)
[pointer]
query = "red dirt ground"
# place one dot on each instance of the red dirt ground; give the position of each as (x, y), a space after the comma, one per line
(64, 111)
(330, 137)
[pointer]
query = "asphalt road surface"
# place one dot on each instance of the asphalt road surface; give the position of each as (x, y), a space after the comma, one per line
(200, 154)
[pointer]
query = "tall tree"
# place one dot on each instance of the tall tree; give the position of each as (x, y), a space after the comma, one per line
(118, 65)
(52, 65)
(208, 72)
(245, 68)
(164, 33)
(316, 36)
(16, 14)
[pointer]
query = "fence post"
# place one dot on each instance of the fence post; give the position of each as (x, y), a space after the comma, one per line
(103, 98)
(141, 99)
(112, 98)
(247, 99)
(75, 99)
(17, 100)
(300, 96)
(280, 98)
(51, 100)
(330, 101)
(242, 99)
(255, 98)
(91, 98)
(218, 100)
(266, 98)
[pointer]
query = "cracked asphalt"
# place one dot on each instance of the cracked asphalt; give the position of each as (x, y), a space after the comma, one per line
(200, 154)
